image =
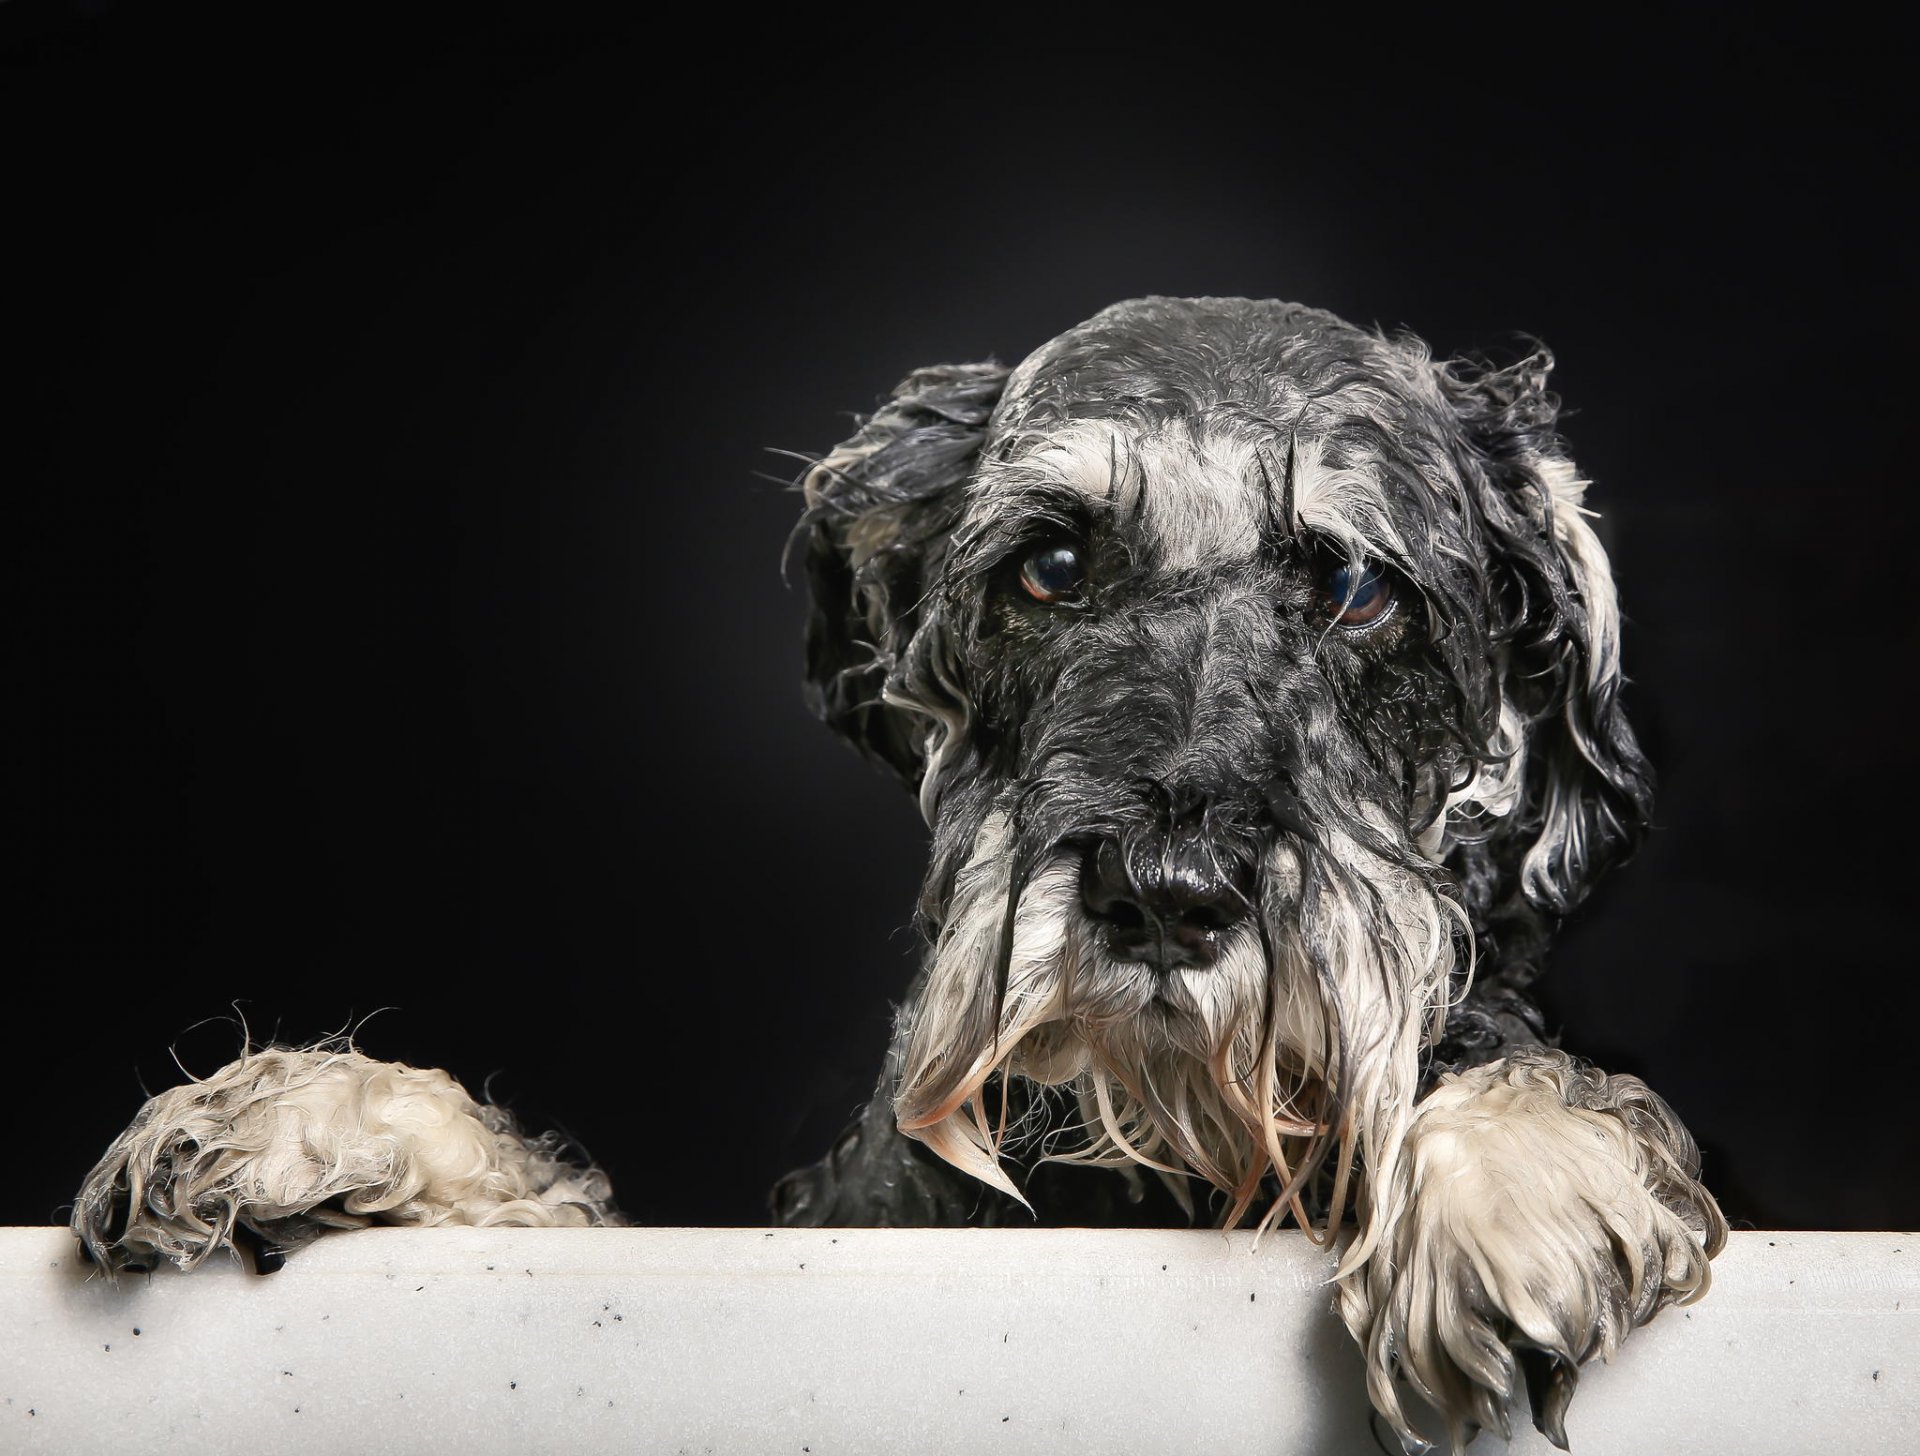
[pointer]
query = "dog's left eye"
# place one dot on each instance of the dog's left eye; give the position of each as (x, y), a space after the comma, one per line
(1358, 596)
(1052, 574)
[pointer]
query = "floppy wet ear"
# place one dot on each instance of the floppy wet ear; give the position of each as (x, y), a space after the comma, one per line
(879, 510)
(1587, 795)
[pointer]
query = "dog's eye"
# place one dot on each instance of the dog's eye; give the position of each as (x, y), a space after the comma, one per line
(1357, 596)
(1052, 574)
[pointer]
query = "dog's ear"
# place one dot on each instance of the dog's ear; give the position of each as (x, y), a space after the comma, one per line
(1587, 792)
(879, 511)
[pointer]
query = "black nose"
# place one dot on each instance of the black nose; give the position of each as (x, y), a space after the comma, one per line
(1164, 903)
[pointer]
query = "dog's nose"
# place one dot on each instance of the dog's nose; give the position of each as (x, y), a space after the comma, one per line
(1164, 905)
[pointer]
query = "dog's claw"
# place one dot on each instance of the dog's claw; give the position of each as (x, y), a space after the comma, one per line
(1406, 1442)
(1550, 1382)
(265, 1256)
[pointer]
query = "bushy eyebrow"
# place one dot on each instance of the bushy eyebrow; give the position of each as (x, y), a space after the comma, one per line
(1024, 511)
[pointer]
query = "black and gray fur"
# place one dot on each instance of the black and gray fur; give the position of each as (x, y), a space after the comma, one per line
(1314, 807)
(1259, 679)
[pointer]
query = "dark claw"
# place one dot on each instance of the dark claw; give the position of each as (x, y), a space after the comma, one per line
(267, 1258)
(1550, 1382)
(1395, 1445)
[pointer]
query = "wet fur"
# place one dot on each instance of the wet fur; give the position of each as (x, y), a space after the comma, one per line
(283, 1144)
(1425, 803)
(1420, 805)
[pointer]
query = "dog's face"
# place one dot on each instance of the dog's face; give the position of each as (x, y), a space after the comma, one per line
(1253, 671)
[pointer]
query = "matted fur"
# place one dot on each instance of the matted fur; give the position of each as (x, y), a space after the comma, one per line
(1385, 820)
(1539, 1205)
(1231, 1073)
(286, 1143)
(1420, 805)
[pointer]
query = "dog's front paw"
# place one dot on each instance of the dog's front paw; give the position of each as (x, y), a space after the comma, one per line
(1539, 1212)
(280, 1146)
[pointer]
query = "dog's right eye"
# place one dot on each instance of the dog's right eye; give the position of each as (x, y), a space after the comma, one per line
(1052, 575)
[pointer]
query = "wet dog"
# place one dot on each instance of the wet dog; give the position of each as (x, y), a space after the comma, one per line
(1259, 677)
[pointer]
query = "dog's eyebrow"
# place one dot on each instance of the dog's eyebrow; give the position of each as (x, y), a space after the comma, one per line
(1019, 513)
(1287, 511)
(1282, 523)
(1391, 449)
(1021, 507)
(1122, 462)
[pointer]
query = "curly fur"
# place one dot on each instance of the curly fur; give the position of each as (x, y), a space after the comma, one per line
(284, 1144)
(1386, 822)
(1541, 1207)
(1421, 806)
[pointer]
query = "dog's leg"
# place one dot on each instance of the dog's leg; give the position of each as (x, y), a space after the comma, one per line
(282, 1145)
(1539, 1208)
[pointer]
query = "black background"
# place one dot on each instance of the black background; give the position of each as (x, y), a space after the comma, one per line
(399, 620)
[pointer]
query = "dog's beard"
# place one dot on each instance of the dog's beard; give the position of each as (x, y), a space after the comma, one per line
(1299, 1046)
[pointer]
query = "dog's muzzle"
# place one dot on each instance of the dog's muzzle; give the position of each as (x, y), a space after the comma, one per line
(1167, 899)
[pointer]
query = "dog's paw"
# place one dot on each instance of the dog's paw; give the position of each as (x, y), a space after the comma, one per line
(1539, 1212)
(280, 1146)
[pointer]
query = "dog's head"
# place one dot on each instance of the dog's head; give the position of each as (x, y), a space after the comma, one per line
(1254, 671)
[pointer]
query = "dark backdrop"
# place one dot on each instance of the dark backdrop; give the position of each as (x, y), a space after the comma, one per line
(400, 626)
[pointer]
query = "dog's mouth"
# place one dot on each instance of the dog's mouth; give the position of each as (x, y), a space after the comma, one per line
(1108, 985)
(1193, 1003)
